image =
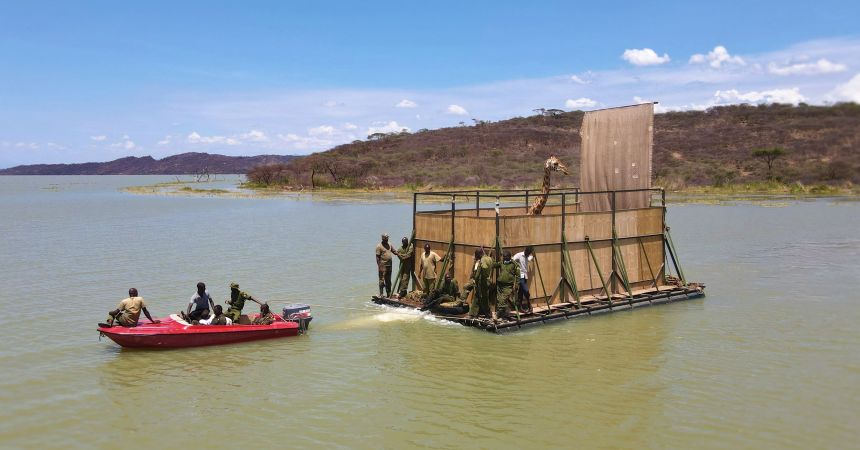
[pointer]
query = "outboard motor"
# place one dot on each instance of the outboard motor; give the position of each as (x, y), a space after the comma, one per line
(299, 313)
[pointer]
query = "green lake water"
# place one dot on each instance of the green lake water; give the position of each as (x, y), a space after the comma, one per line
(770, 358)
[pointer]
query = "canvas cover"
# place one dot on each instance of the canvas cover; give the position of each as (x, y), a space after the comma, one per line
(616, 155)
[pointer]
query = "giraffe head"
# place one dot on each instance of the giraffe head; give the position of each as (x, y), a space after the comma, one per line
(554, 164)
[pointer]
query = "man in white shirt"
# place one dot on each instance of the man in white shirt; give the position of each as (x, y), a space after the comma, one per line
(523, 258)
(201, 301)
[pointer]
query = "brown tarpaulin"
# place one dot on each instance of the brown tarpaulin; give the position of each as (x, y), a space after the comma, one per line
(616, 155)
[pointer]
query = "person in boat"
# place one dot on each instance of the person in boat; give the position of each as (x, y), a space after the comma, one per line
(428, 270)
(201, 301)
(480, 282)
(266, 317)
(405, 253)
(216, 318)
(509, 276)
(384, 252)
(448, 292)
(237, 302)
(128, 311)
(522, 259)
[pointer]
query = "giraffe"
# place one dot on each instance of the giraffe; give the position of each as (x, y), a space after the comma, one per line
(552, 164)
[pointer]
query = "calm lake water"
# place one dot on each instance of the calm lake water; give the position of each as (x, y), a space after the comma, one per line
(769, 359)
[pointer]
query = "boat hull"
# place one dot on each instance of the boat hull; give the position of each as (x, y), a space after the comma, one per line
(172, 334)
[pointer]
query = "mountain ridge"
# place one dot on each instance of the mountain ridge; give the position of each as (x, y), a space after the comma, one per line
(181, 164)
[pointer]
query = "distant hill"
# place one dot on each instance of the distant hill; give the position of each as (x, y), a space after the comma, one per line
(692, 148)
(182, 164)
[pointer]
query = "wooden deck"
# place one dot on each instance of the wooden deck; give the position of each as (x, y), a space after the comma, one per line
(589, 305)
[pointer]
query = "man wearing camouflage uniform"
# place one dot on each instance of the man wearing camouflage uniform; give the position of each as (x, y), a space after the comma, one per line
(481, 279)
(237, 302)
(405, 253)
(509, 275)
(265, 318)
(448, 292)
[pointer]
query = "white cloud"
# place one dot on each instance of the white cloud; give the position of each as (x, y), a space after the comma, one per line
(129, 145)
(125, 137)
(331, 103)
(322, 129)
(195, 138)
(20, 144)
(580, 103)
(773, 96)
(644, 57)
(176, 123)
(849, 90)
(349, 126)
(390, 127)
(717, 58)
(406, 104)
(301, 143)
(165, 141)
(98, 138)
(5, 144)
(576, 79)
(820, 66)
(458, 110)
(33, 145)
(254, 135)
(51, 144)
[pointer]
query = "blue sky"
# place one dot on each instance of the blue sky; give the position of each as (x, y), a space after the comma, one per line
(95, 81)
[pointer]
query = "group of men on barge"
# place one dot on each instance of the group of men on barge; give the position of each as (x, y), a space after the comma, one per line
(205, 311)
(511, 281)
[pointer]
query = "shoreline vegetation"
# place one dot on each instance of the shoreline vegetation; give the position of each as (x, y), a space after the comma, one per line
(767, 194)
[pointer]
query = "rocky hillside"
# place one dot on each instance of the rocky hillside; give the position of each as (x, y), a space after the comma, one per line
(699, 148)
(183, 164)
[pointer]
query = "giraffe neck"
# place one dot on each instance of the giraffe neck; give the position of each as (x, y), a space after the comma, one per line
(540, 201)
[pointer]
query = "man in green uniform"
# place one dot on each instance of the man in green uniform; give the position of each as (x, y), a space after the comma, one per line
(237, 302)
(448, 292)
(128, 311)
(509, 275)
(481, 280)
(383, 263)
(405, 253)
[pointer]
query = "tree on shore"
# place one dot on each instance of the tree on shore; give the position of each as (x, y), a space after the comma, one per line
(769, 155)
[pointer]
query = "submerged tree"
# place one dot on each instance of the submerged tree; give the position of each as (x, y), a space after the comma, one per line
(769, 155)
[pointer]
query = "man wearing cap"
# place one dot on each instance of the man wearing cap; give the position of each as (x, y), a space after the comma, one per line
(384, 252)
(237, 302)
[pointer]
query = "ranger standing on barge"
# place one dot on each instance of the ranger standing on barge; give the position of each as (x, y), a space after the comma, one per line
(509, 275)
(407, 264)
(384, 250)
(480, 283)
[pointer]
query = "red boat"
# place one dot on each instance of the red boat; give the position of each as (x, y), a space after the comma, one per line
(175, 333)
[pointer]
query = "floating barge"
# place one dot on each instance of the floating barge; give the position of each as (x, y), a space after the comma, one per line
(598, 248)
